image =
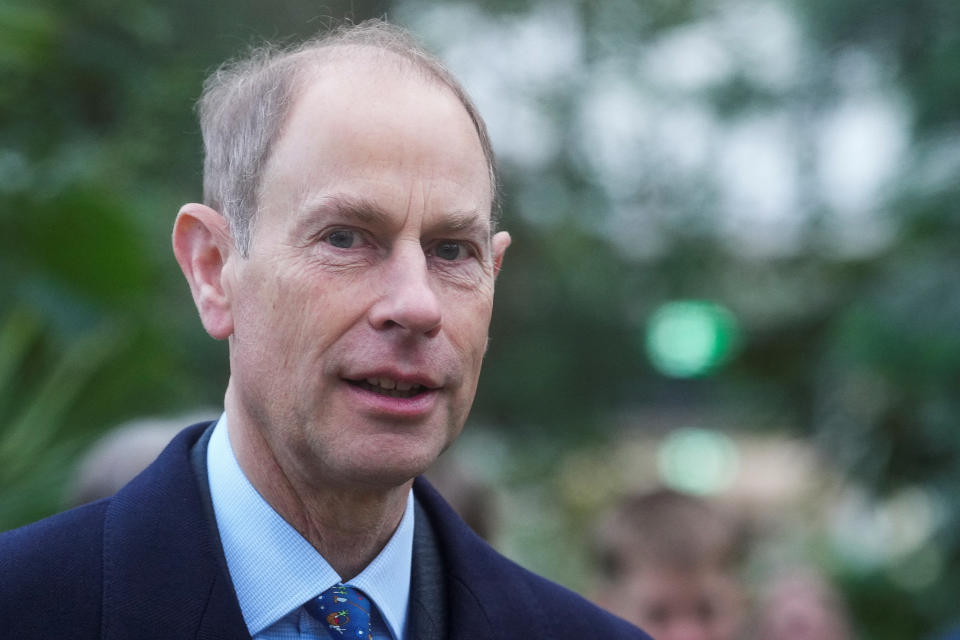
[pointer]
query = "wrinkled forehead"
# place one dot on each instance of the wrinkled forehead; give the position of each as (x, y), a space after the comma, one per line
(374, 117)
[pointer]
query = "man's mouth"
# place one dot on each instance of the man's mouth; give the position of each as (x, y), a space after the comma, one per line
(390, 387)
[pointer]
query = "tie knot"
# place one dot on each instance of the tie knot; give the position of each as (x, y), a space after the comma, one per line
(343, 611)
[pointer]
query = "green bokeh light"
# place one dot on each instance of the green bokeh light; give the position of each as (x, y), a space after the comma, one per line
(690, 338)
(698, 461)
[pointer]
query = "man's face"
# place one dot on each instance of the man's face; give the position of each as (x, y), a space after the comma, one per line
(361, 314)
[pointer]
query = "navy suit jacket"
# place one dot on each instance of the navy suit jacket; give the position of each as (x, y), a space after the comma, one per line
(147, 564)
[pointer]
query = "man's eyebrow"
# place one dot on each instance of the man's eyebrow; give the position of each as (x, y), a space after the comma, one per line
(366, 213)
(349, 208)
(461, 222)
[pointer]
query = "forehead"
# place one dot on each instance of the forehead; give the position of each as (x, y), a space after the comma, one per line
(371, 120)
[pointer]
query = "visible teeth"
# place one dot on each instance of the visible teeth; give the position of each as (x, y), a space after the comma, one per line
(393, 388)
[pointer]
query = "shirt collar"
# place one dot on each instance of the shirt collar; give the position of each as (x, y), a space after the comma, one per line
(274, 569)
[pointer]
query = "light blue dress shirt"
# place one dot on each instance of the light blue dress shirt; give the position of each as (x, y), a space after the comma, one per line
(275, 570)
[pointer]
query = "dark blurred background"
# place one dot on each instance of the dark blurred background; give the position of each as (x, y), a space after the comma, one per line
(734, 271)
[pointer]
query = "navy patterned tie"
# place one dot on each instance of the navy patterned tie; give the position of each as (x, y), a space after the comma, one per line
(343, 611)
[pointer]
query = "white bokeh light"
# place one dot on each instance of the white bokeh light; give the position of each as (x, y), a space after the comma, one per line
(687, 58)
(861, 148)
(615, 126)
(757, 175)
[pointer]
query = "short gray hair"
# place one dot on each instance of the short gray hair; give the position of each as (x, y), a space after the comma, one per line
(246, 101)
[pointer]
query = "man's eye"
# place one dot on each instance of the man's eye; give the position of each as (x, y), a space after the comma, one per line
(342, 238)
(450, 251)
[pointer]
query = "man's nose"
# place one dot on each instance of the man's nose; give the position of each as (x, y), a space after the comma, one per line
(407, 299)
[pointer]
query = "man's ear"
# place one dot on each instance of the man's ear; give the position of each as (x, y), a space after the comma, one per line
(202, 245)
(501, 240)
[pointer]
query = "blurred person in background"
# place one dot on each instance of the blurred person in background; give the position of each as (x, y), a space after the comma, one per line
(119, 455)
(347, 250)
(473, 499)
(670, 563)
(800, 604)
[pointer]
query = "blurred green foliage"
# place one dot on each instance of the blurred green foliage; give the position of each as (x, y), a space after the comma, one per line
(99, 147)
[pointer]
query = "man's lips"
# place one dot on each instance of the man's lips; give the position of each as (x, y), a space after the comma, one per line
(394, 395)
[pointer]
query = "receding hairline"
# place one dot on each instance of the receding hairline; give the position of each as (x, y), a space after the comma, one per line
(318, 54)
(365, 60)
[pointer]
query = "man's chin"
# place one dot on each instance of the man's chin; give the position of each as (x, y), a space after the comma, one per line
(383, 479)
(388, 469)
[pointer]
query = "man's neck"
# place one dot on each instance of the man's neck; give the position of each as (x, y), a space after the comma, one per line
(347, 525)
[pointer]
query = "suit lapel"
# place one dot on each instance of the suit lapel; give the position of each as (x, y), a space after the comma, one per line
(162, 578)
(438, 569)
(428, 604)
